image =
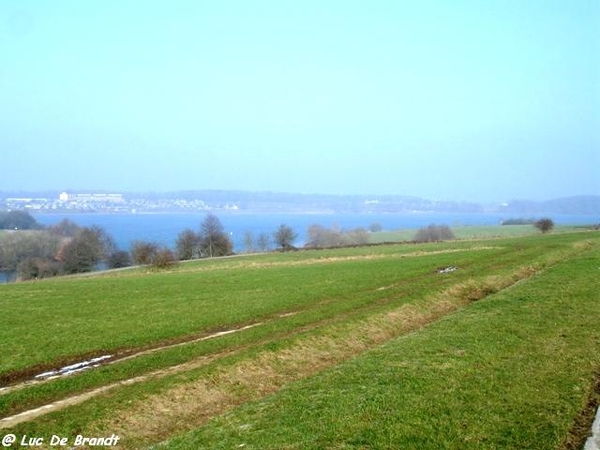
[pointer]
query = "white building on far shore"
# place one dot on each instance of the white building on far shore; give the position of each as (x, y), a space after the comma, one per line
(100, 198)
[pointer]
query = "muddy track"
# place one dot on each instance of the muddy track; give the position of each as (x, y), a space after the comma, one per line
(110, 359)
(10, 381)
(31, 414)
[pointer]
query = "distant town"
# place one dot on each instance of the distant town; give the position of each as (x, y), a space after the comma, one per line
(243, 201)
(108, 203)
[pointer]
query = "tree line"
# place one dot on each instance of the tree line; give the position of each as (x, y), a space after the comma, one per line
(34, 251)
(18, 220)
(62, 249)
(66, 248)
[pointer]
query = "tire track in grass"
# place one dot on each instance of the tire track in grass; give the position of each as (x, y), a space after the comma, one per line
(109, 360)
(31, 414)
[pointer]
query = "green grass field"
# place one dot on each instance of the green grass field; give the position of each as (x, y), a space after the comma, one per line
(503, 373)
(365, 347)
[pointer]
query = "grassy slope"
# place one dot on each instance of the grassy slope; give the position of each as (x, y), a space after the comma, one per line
(79, 316)
(137, 309)
(319, 287)
(511, 371)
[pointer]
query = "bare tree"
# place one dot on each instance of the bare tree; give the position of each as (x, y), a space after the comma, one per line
(18, 220)
(119, 259)
(143, 252)
(263, 242)
(86, 250)
(317, 236)
(213, 239)
(284, 237)
(321, 237)
(375, 227)
(249, 241)
(65, 228)
(434, 233)
(544, 225)
(358, 236)
(188, 244)
(17, 247)
(164, 258)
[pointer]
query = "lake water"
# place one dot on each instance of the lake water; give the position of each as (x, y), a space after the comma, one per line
(164, 228)
(7, 276)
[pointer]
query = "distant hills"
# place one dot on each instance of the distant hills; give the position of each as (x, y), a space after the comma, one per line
(583, 204)
(53, 201)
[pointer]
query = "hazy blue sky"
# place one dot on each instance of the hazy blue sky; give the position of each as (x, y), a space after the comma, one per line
(472, 100)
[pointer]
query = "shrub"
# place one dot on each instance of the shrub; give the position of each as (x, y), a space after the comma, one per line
(34, 268)
(519, 221)
(544, 225)
(321, 237)
(188, 243)
(263, 242)
(213, 240)
(375, 227)
(284, 237)
(18, 220)
(143, 252)
(434, 233)
(119, 259)
(163, 259)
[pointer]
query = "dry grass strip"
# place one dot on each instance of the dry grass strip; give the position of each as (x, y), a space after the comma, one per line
(241, 264)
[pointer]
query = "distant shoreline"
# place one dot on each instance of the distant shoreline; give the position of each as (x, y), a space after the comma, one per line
(225, 202)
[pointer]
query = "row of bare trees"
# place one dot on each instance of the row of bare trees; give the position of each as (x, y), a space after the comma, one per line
(34, 251)
(210, 241)
(213, 241)
(67, 248)
(321, 237)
